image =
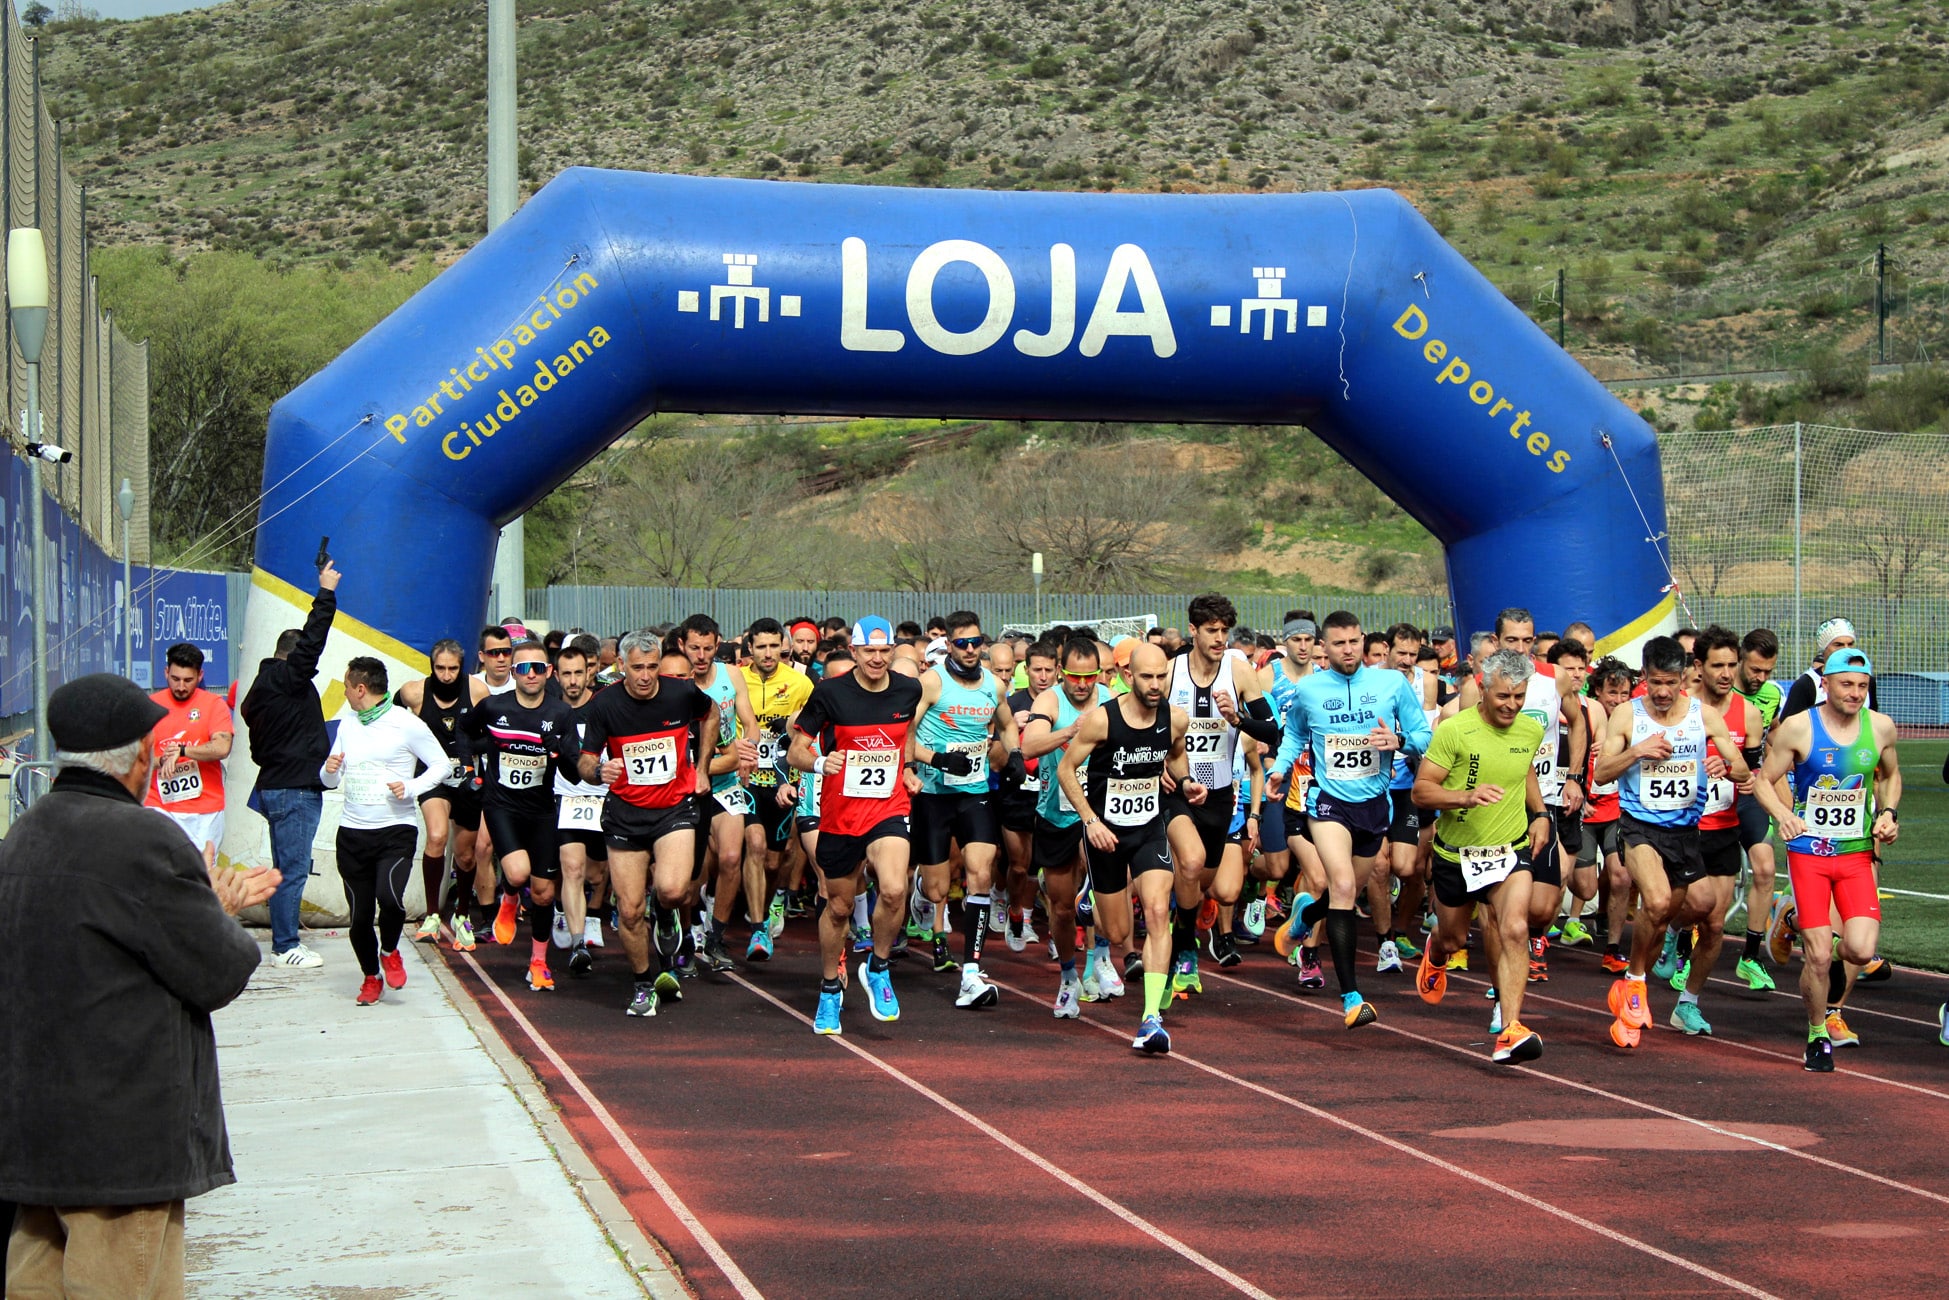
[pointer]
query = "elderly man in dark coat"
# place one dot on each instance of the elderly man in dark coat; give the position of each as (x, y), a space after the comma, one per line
(116, 943)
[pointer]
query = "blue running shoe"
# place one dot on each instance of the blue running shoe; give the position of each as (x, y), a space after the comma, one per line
(826, 1021)
(862, 938)
(1287, 937)
(1357, 1011)
(1151, 1037)
(879, 987)
(760, 949)
(1667, 964)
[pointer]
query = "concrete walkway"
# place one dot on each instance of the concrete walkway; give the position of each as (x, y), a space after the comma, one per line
(398, 1150)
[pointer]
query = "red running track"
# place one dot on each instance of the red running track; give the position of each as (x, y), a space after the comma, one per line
(1003, 1152)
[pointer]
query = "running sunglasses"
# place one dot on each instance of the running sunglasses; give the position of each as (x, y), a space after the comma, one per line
(502, 653)
(968, 642)
(529, 669)
(1082, 677)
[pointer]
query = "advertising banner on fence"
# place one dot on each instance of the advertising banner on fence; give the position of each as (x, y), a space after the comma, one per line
(84, 599)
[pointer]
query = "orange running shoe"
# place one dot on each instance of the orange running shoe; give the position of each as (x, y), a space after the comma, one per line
(1630, 1003)
(1515, 1043)
(1624, 1035)
(540, 978)
(1207, 915)
(1539, 966)
(504, 920)
(1431, 981)
(1615, 963)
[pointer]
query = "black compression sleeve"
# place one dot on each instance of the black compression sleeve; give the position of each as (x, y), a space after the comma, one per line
(1257, 722)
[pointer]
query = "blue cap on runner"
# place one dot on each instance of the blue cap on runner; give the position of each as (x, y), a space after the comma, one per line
(1847, 661)
(872, 630)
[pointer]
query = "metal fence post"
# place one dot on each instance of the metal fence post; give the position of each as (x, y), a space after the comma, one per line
(1797, 642)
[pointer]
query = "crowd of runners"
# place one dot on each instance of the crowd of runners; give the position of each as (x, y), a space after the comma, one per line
(1155, 802)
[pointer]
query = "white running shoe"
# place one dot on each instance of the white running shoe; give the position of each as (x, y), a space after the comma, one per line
(1495, 1019)
(429, 931)
(592, 932)
(558, 933)
(301, 957)
(1108, 979)
(976, 991)
(1067, 995)
(1390, 958)
(1020, 937)
(997, 912)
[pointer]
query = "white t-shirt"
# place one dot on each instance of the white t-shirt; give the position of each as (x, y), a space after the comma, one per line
(377, 755)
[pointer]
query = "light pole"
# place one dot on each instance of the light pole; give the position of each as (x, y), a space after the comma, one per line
(509, 582)
(27, 301)
(125, 503)
(1035, 569)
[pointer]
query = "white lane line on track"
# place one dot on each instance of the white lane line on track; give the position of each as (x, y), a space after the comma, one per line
(1048, 1167)
(1916, 893)
(1532, 995)
(718, 1255)
(1595, 1091)
(1395, 1144)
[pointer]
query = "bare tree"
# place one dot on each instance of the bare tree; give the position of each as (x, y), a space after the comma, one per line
(686, 514)
(1111, 520)
(932, 533)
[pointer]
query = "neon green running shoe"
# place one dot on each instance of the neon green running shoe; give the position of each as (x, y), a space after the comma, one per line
(1757, 980)
(1408, 948)
(1184, 974)
(1679, 976)
(1574, 933)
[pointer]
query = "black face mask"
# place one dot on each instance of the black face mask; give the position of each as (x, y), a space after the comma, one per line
(953, 665)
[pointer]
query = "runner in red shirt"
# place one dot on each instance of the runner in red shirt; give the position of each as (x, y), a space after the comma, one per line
(191, 744)
(642, 740)
(858, 723)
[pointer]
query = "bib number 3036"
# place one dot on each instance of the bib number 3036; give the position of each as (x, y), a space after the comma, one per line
(1130, 801)
(870, 773)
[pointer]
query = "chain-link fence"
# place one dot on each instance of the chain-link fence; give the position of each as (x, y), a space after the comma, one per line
(94, 380)
(1787, 525)
(94, 403)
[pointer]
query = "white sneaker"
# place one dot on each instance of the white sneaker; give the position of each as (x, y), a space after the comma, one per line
(976, 991)
(1067, 995)
(997, 913)
(1390, 958)
(592, 932)
(300, 956)
(558, 934)
(1108, 979)
(1495, 1020)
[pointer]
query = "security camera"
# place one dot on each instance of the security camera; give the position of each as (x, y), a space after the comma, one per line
(50, 453)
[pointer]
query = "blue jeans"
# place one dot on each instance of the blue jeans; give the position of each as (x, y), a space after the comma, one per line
(293, 815)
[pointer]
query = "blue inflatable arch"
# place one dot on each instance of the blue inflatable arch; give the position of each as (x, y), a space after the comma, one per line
(613, 295)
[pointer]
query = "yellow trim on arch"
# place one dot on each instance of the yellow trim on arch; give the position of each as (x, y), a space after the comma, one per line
(1638, 626)
(345, 623)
